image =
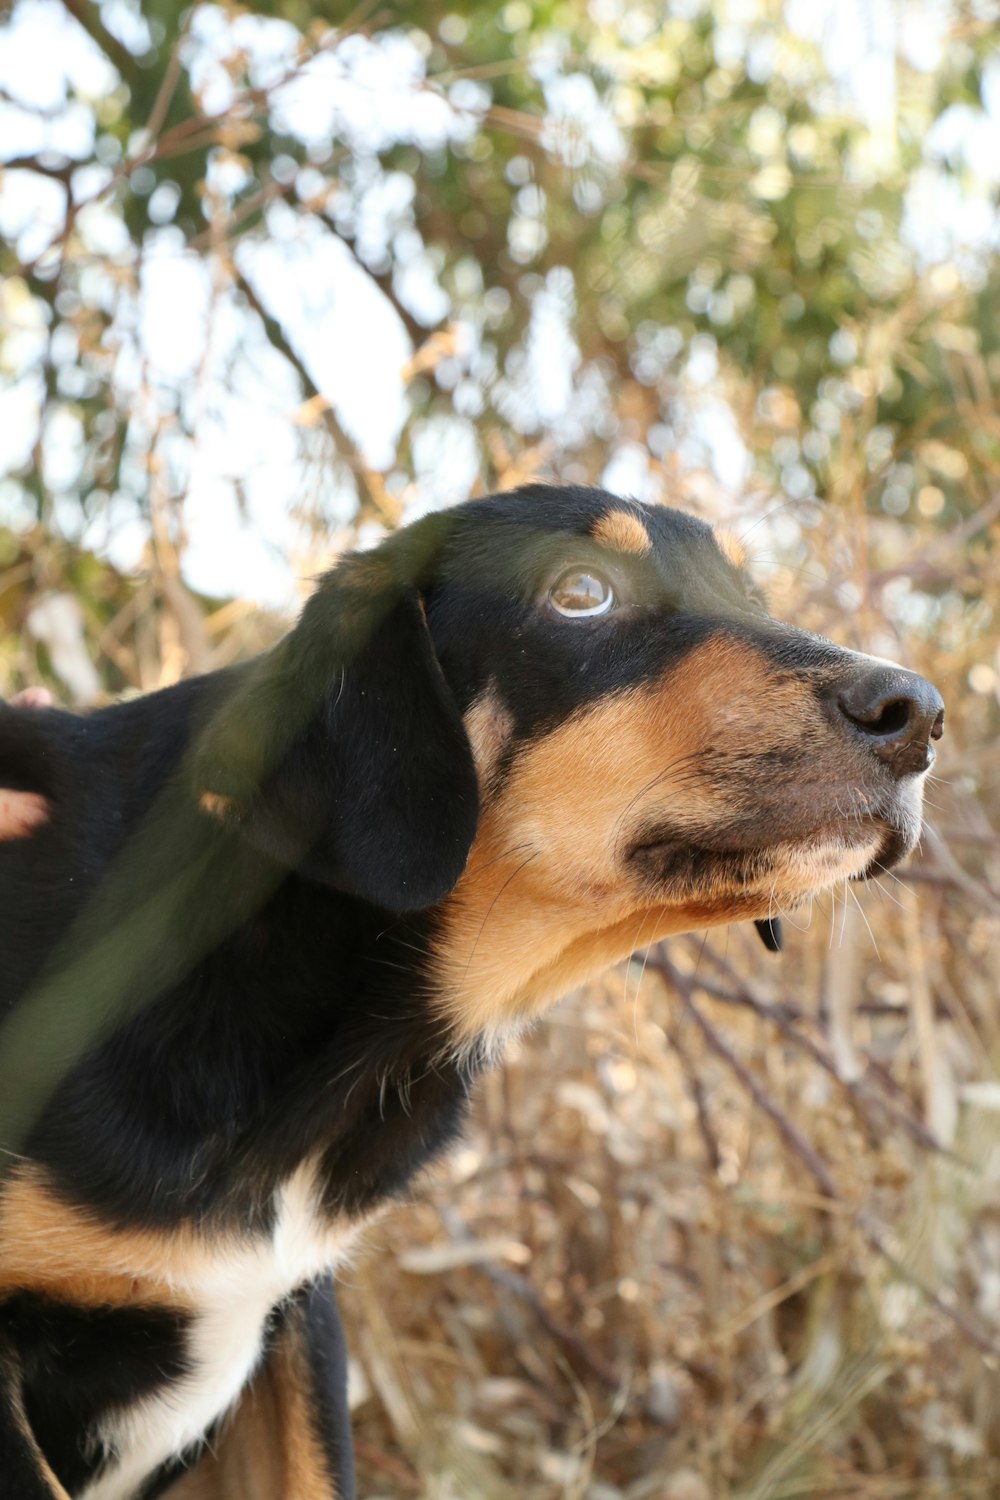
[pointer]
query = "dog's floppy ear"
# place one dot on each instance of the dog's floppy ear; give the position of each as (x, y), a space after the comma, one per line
(342, 753)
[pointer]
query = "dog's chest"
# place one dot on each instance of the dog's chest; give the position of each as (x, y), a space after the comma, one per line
(232, 1298)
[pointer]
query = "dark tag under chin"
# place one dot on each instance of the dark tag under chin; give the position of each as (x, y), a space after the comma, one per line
(771, 934)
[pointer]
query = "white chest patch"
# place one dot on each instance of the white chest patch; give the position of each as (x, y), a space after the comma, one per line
(234, 1296)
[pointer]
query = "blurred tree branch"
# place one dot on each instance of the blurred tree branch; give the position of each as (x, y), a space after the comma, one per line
(61, 170)
(373, 495)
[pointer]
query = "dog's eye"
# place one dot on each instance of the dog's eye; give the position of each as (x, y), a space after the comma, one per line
(581, 591)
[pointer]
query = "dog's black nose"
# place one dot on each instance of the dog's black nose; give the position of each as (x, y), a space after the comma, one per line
(897, 714)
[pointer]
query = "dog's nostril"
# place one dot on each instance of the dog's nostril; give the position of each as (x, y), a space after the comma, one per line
(937, 728)
(880, 718)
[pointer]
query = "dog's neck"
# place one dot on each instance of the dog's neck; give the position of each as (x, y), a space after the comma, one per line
(511, 940)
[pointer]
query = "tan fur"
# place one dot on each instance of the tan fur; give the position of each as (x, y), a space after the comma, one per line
(21, 813)
(623, 532)
(731, 547)
(267, 1449)
(215, 804)
(548, 897)
(48, 1244)
(488, 725)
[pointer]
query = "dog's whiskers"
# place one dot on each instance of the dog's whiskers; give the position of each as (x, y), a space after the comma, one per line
(854, 896)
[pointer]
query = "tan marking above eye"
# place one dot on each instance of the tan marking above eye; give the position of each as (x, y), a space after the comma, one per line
(624, 532)
(731, 547)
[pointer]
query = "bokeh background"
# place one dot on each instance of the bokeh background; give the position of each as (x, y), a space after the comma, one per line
(277, 278)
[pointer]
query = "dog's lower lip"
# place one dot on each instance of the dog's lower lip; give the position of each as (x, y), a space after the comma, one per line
(835, 831)
(649, 845)
(670, 841)
(668, 858)
(672, 848)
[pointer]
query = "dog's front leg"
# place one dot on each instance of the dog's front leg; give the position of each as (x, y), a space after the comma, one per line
(24, 1473)
(288, 1438)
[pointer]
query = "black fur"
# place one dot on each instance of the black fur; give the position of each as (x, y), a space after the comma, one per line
(76, 1362)
(327, 1352)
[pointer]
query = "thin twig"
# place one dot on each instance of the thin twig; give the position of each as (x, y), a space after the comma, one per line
(61, 170)
(344, 444)
(168, 86)
(697, 1091)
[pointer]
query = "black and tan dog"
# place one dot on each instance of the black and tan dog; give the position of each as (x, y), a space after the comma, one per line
(261, 930)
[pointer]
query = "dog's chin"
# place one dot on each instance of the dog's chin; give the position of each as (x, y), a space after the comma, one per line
(898, 821)
(897, 843)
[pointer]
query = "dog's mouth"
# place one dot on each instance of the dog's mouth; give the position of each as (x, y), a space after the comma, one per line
(715, 868)
(769, 860)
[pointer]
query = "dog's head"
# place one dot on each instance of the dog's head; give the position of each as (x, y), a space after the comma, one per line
(568, 717)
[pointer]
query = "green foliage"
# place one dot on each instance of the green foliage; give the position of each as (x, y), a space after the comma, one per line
(706, 181)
